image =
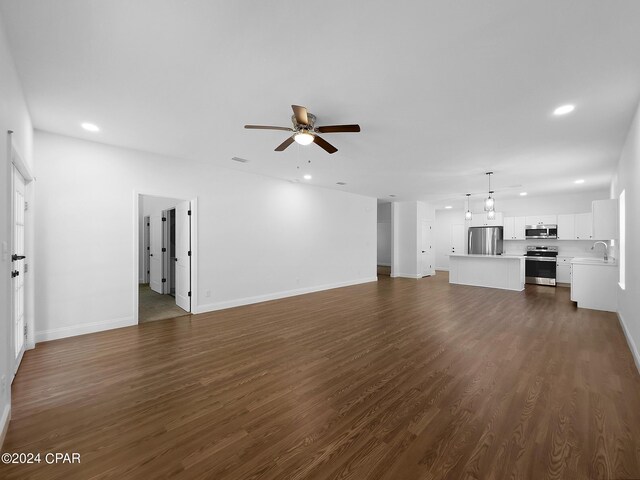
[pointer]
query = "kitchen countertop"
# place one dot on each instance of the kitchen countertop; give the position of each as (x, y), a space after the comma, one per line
(594, 261)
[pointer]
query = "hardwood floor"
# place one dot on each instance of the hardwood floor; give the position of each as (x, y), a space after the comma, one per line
(399, 379)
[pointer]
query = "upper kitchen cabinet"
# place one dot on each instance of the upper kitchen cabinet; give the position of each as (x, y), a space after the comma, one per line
(567, 227)
(480, 220)
(541, 220)
(605, 219)
(514, 228)
(583, 226)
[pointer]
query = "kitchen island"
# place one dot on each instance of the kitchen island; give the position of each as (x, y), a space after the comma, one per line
(492, 271)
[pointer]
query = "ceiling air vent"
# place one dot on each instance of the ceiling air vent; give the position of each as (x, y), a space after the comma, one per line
(340, 183)
(238, 159)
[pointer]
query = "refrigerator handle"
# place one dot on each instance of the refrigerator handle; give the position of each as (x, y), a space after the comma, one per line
(470, 242)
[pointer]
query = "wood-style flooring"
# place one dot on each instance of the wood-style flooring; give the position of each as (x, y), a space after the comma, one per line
(399, 379)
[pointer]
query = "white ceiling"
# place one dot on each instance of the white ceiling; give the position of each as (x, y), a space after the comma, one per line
(443, 90)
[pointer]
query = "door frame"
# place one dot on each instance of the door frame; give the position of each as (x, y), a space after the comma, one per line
(17, 161)
(136, 246)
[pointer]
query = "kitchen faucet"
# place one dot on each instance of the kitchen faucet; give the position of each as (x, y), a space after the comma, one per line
(606, 249)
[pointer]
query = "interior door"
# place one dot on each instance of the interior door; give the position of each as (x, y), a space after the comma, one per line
(183, 255)
(146, 251)
(457, 238)
(155, 255)
(427, 249)
(17, 267)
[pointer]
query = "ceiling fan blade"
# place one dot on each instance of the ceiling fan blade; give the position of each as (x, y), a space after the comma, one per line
(324, 144)
(301, 114)
(284, 144)
(338, 129)
(268, 127)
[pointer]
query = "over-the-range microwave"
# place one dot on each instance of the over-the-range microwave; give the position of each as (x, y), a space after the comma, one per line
(541, 231)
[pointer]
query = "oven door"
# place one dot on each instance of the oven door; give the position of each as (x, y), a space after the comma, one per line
(540, 270)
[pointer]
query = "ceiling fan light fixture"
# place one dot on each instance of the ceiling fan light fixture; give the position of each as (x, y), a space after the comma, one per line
(303, 138)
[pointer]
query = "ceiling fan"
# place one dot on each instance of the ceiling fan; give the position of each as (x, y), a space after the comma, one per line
(305, 131)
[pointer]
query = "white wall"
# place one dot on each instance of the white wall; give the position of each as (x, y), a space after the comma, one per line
(627, 178)
(259, 238)
(574, 202)
(14, 115)
(384, 234)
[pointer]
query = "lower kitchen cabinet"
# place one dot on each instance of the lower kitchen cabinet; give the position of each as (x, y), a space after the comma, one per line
(563, 270)
(594, 285)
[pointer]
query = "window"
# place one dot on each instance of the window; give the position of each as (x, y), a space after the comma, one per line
(623, 240)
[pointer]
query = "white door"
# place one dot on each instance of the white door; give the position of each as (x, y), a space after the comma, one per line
(155, 255)
(17, 268)
(146, 250)
(427, 250)
(457, 238)
(183, 256)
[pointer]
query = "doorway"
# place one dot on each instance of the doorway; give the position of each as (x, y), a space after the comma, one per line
(164, 289)
(384, 238)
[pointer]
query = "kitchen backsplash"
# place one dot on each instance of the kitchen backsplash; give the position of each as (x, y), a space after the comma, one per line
(566, 248)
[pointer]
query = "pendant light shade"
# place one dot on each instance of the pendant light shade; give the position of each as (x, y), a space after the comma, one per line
(489, 203)
(467, 214)
(491, 215)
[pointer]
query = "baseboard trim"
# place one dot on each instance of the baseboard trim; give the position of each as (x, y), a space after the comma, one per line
(632, 346)
(83, 329)
(212, 307)
(4, 423)
(406, 275)
(442, 269)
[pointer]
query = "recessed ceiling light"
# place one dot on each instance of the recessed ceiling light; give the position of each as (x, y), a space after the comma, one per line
(340, 183)
(523, 194)
(579, 181)
(307, 177)
(448, 206)
(90, 127)
(564, 109)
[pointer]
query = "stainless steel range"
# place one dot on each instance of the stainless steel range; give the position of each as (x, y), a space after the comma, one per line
(541, 265)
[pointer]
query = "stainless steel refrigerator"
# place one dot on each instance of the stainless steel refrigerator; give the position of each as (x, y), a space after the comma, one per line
(485, 240)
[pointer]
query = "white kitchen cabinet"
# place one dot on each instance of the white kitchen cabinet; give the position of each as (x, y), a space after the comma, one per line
(605, 219)
(519, 225)
(594, 285)
(541, 220)
(563, 269)
(514, 228)
(583, 226)
(567, 227)
(480, 220)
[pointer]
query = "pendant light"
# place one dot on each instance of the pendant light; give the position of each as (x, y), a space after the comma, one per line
(491, 215)
(489, 202)
(467, 214)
